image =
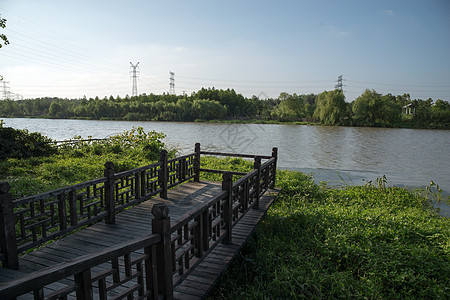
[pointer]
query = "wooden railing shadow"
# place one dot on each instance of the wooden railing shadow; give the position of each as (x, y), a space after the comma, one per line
(150, 266)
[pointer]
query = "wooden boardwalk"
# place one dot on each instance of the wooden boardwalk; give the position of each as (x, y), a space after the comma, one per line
(155, 232)
(137, 222)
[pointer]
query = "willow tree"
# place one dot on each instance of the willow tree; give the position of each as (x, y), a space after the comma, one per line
(374, 109)
(331, 107)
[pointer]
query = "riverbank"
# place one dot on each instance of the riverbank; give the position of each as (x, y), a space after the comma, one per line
(402, 125)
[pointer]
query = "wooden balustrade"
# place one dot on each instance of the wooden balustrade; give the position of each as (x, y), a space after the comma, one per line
(119, 271)
(150, 266)
(31, 221)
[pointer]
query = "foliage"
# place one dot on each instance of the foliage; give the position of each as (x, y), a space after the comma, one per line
(82, 161)
(317, 242)
(16, 143)
(296, 107)
(3, 37)
(330, 107)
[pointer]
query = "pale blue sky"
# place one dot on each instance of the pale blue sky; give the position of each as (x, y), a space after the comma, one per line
(76, 48)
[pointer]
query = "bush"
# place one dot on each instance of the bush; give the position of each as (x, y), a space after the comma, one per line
(19, 143)
(81, 161)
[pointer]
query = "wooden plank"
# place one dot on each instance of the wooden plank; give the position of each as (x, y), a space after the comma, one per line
(7, 274)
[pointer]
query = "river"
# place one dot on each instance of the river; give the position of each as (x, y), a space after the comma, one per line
(338, 155)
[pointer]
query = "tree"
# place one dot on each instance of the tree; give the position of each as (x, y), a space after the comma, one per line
(440, 114)
(390, 113)
(208, 109)
(295, 103)
(366, 108)
(2, 36)
(374, 109)
(331, 107)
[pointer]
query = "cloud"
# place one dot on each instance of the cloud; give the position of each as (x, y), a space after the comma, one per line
(389, 12)
(180, 48)
(336, 32)
(344, 33)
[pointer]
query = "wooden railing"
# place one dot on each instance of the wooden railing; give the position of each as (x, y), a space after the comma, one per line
(118, 271)
(31, 221)
(151, 265)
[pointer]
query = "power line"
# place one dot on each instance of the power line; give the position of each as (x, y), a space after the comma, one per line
(400, 84)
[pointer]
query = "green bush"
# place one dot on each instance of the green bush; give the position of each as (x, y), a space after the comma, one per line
(82, 161)
(19, 143)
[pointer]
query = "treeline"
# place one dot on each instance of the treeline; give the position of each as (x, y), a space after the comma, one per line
(329, 107)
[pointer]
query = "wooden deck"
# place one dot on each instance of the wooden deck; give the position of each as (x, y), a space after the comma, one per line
(136, 222)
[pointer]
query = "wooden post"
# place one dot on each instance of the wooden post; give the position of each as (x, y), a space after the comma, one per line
(161, 225)
(257, 166)
(73, 208)
(198, 235)
(8, 240)
(62, 214)
(206, 228)
(109, 193)
(227, 185)
(143, 184)
(181, 175)
(163, 174)
(242, 196)
(137, 185)
(84, 281)
(197, 162)
(274, 154)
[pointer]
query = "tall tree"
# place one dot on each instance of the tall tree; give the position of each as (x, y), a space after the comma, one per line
(366, 108)
(331, 107)
(295, 103)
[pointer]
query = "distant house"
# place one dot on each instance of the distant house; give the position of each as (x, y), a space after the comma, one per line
(409, 109)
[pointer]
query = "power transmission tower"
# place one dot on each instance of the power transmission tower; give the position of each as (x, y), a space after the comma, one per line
(135, 73)
(6, 93)
(339, 84)
(172, 83)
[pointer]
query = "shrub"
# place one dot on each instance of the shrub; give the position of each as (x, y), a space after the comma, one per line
(19, 143)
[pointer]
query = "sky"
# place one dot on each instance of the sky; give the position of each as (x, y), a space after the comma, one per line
(72, 49)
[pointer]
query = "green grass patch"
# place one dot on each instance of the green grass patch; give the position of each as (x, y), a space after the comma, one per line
(318, 242)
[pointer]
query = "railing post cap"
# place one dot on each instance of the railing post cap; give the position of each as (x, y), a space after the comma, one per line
(109, 165)
(227, 176)
(160, 211)
(4, 187)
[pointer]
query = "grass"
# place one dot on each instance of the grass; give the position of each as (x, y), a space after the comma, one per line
(363, 242)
